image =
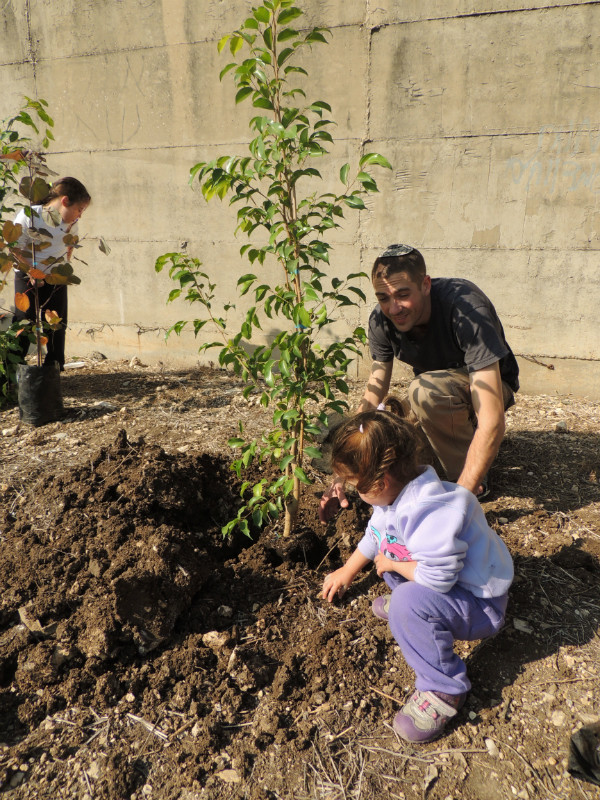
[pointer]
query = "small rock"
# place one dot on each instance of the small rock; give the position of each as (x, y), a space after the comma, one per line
(561, 427)
(94, 770)
(16, 779)
(491, 748)
(62, 654)
(215, 639)
(10, 431)
(135, 362)
(348, 706)
(229, 775)
(102, 405)
(502, 520)
(129, 697)
(75, 365)
(521, 625)
(97, 356)
(558, 718)
(225, 611)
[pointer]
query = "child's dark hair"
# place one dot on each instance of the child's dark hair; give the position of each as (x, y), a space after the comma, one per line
(71, 188)
(375, 443)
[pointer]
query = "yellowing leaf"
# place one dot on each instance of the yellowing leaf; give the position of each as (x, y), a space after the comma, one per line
(51, 216)
(56, 279)
(37, 273)
(43, 340)
(36, 190)
(11, 232)
(21, 301)
(6, 263)
(52, 319)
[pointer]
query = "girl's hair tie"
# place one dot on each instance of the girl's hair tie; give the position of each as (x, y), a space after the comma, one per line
(360, 428)
(381, 407)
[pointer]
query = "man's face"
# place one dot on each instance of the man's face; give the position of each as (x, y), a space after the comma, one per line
(402, 301)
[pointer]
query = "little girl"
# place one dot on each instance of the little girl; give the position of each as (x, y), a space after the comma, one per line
(448, 571)
(67, 200)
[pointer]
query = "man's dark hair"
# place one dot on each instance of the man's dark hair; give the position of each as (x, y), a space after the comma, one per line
(400, 258)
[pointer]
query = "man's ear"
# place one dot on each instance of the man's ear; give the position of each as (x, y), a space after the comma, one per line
(426, 285)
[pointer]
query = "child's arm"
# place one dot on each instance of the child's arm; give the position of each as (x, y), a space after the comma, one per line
(404, 568)
(337, 582)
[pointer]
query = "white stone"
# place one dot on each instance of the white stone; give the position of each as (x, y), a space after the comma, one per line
(491, 748)
(229, 776)
(558, 718)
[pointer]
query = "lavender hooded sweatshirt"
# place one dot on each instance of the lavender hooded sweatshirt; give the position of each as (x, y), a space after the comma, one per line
(442, 527)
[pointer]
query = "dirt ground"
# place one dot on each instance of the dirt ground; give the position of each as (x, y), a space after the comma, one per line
(141, 656)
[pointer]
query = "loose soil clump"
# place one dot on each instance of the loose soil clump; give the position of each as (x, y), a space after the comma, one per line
(144, 656)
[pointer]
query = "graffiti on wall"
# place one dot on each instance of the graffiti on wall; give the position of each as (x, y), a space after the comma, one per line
(564, 160)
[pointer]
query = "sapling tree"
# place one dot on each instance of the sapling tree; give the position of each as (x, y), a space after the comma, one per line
(24, 182)
(300, 372)
(15, 159)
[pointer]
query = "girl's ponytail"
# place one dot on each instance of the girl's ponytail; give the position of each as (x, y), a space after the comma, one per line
(371, 444)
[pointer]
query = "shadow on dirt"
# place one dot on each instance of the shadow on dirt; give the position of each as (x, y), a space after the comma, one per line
(559, 471)
(553, 605)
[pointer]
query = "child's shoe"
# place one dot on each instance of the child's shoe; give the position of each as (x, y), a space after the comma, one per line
(425, 715)
(381, 606)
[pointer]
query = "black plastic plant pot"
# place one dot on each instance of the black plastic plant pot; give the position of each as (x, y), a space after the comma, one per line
(39, 393)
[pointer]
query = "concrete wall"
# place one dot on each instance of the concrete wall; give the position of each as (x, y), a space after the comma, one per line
(488, 112)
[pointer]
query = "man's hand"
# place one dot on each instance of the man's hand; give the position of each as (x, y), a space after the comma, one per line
(332, 500)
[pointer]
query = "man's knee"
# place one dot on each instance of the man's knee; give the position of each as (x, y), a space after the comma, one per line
(444, 390)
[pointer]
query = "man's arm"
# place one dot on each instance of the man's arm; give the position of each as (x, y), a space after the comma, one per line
(377, 386)
(488, 403)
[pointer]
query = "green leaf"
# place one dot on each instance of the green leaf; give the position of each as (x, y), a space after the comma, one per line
(242, 93)
(301, 475)
(288, 15)
(285, 461)
(262, 14)
(354, 201)
(313, 452)
(375, 158)
(287, 34)
(344, 173)
(235, 45)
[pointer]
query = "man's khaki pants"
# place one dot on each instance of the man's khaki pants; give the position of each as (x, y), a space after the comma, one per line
(441, 401)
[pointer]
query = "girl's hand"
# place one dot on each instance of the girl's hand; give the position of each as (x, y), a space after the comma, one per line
(384, 564)
(336, 583)
(404, 568)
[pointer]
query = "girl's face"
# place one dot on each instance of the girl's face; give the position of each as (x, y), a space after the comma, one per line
(383, 494)
(69, 212)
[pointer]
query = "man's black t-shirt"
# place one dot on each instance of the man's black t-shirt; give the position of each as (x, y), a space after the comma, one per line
(463, 331)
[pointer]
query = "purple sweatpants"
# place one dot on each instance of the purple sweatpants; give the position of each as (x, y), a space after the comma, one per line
(425, 624)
